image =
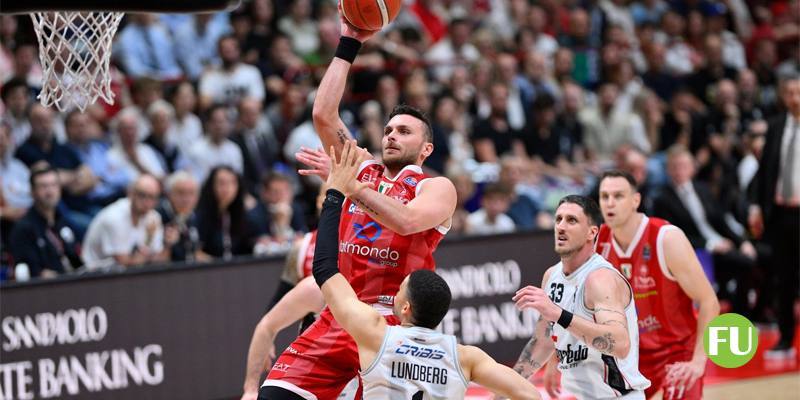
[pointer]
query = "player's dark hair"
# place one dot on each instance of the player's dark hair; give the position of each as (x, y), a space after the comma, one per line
(429, 296)
(589, 206)
(618, 173)
(402, 109)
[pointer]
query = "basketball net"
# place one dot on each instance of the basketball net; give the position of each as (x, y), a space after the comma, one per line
(75, 51)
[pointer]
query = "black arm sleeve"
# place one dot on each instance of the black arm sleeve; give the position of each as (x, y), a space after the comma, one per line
(326, 254)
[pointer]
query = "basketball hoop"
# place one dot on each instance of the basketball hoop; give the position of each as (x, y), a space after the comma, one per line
(75, 42)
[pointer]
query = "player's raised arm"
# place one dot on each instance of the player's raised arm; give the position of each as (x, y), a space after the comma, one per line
(325, 114)
(485, 371)
(538, 350)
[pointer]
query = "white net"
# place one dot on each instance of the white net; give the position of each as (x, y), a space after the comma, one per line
(75, 51)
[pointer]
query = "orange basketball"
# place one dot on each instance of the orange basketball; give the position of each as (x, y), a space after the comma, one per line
(370, 15)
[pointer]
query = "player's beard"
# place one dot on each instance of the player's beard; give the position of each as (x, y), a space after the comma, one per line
(397, 162)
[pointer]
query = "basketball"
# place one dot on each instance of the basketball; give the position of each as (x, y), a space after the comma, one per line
(370, 15)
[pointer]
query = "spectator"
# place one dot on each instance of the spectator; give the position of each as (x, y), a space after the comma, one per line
(186, 128)
(579, 39)
(161, 114)
(491, 218)
(134, 157)
(277, 214)
(543, 42)
(524, 210)
(129, 231)
(144, 92)
(42, 238)
(26, 65)
(680, 59)
(546, 140)
(145, 49)
(606, 127)
(298, 26)
(682, 124)
(507, 73)
(222, 221)
(453, 50)
(232, 81)
(493, 137)
(752, 146)
(215, 148)
(196, 43)
(16, 97)
(657, 76)
(111, 177)
(179, 218)
(257, 142)
(689, 205)
(536, 80)
(15, 191)
(713, 71)
(75, 177)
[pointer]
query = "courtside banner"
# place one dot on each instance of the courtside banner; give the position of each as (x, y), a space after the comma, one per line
(182, 332)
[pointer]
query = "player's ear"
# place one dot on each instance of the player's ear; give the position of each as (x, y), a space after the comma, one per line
(427, 149)
(637, 200)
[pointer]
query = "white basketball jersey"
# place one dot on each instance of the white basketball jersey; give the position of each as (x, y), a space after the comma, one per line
(586, 372)
(415, 363)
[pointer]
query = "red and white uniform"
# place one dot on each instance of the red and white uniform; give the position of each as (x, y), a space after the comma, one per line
(305, 259)
(667, 320)
(375, 261)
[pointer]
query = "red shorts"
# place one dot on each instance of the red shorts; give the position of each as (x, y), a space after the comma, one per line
(655, 369)
(320, 362)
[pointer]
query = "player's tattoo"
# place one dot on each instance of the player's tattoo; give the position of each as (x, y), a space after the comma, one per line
(341, 135)
(611, 321)
(526, 365)
(605, 343)
(597, 310)
(366, 207)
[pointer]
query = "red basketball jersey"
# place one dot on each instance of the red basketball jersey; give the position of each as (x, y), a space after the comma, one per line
(667, 322)
(305, 255)
(374, 259)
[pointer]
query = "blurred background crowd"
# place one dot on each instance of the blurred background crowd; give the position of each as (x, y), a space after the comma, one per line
(530, 100)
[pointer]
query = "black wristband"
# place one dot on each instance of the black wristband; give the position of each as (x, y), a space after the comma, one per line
(326, 254)
(565, 319)
(347, 49)
(334, 197)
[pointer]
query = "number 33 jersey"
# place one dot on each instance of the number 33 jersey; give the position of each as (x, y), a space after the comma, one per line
(586, 372)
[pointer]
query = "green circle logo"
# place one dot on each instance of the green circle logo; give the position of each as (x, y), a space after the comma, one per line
(730, 340)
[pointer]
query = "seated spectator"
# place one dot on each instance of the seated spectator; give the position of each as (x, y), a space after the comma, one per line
(257, 142)
(491, 218)
(523, 210)
(111, 178)
(465, 191)
(196, 43)
(713, 71)
(75, 177)
(145, 49)
(753, 146)
(232, 81)
(493, 137)
(277, 214)
(607, 127)
(161, 114)
(546, 140)
(300, 28)
(690, 206)
(129, 231)
(42, 238)
(222, 219)
(15, 190)
(452, 50)
(16, 96)
(215, 148)
(186, 129)
(179, 218)
(134, 157)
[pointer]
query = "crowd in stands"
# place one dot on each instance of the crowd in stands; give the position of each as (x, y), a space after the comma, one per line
(529, 100)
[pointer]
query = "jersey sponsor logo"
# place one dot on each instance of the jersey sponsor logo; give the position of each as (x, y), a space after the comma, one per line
(420, 373)
(292, 350)
(353, 209)
(386, 299)
(643, 281)
(420, 351)
(410, 181)
(570, 358)
(649, 324)
(361, 231)
(280, 367)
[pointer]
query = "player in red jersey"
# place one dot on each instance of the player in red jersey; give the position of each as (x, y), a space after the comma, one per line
(392, 222)
(667, 279)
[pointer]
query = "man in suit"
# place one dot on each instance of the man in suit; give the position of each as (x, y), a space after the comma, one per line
(256, 139)
(775, 194)
(690, 206)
